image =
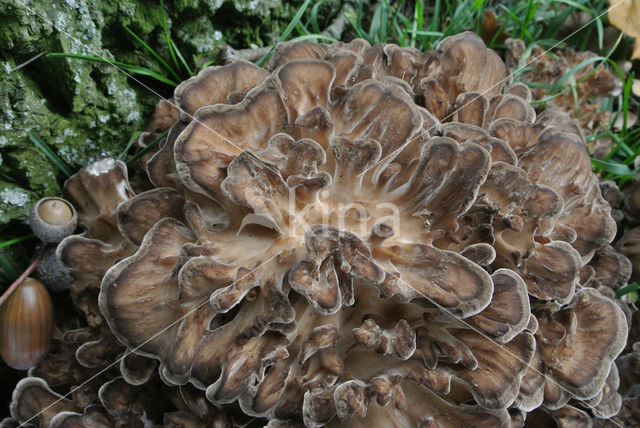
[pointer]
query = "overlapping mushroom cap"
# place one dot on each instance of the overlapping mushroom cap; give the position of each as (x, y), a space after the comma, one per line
(356, 234)
(590, 84)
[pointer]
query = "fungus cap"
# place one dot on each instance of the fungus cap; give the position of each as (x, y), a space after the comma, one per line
(319, 249)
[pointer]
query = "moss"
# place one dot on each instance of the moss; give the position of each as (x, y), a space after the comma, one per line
(85, 110)
(15, 201)
(78, 130)
(32, 163)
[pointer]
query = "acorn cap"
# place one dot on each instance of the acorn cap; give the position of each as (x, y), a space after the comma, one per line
(53, 219)
(53, 274)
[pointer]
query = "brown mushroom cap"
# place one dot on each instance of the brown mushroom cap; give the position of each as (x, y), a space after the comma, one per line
(138, 214)
(31, 396)
(96, 190)
(509, 311)
(319, 245)
(425, 409)
(629, 246)
(163, 244)
(214, 84)
(9, 423)
(531, 393)
(579, 343)
(595, 84)
(93, 416)
(561, 162)
(610, 401)
(613, 268)
(571, 417)
(464, 64)
(136, 369)
(631, 202)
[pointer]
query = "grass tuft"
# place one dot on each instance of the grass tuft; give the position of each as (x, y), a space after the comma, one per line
(128, 68)
(130, 143)
(146, 149)
(287, 31)
(630, 290)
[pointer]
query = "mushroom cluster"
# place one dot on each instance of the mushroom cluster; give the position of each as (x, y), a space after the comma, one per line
(362, 235)
(570, 81)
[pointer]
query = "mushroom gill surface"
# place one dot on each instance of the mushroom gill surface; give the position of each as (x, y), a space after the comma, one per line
(356, 234)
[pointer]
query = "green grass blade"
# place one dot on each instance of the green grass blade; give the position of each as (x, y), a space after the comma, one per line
(208, 63)
(143, 71)
(531, 10)
(147, 149)
(478, 10)
(557, 23)
(129, 68)
(420, 20)
(313, 17)
(302, 29)
(416, 25)
(569, 73)
(511, 15)
(403, 41)
(394, 19)
(359, 31)
(153, 53)
(167, 36)
(11, 272)
(478, 5)
(426, 33)
(620, 145)
(626, 92)
(634, 286)
(585, 36)
(130, 143)
(576, 5)
(492, 43)
(181, 58)
(16, 240)
(616, 169)
(359, 15)
(384, 23)
(378, 27)
(286, 32)
(435, 19)
(600, 28)
(50, 154)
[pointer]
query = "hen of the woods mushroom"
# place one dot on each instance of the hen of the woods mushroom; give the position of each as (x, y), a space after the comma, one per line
(363, 236)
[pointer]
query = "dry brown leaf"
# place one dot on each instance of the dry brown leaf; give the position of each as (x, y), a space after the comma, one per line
(625, 15)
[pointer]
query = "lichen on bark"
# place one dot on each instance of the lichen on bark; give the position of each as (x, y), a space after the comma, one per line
(85, 110)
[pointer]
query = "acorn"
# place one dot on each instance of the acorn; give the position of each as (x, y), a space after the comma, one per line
(26, 325)
(53, 219)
